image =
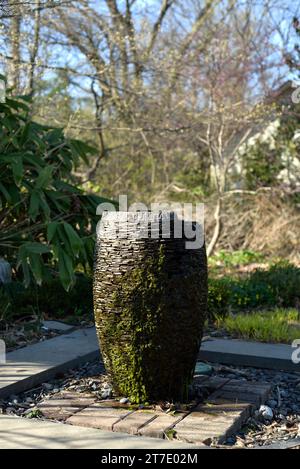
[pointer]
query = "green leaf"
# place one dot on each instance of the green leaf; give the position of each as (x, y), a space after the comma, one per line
(66, 270)
(8, 122)
(14, 193)
(13, 103)
(57, 199)
(44, 178)
(74, 239)
(36, 266)
(17, 168)
(82, 149)
(64, 240)
(5, 192)
(51, 230)
(64, 186)
(34, 205)
(36, 248)
(55, 136)
(45, 206)
(41, 145)
(35, 161)
(25, 97)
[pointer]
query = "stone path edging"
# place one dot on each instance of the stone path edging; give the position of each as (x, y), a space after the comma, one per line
(254, 354)
(30, 366)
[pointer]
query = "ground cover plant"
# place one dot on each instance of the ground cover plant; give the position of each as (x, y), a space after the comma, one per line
(278, 325)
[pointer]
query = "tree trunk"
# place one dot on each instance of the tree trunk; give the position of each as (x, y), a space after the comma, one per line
(15, 30)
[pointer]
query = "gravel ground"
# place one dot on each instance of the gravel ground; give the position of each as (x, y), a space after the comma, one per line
(90, 377)
(276, 422)
(31, 330)
(24, 333)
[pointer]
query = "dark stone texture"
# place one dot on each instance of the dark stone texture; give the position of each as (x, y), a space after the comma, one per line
(150, 298)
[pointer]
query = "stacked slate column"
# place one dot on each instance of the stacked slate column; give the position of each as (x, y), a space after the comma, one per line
(150, 298)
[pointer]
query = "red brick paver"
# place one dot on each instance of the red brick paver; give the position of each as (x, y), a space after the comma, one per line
(64, 404)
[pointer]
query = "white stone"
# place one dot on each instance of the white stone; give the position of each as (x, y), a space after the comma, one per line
(106, 393)
(124, 400)
(266, 412)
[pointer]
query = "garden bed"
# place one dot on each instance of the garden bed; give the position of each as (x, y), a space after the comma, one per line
(253, 300)
(32, 329)
(25, 332)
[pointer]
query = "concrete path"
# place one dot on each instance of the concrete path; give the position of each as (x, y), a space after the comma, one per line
(34, 364)
(17, 433)
(58, 326)
(241, 353)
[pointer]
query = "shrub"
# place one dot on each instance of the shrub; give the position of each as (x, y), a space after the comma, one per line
(283, 280)
(219, 291)
(278, 286)
(51, 299)
(46, 222)
(246, 293)
(230, 259)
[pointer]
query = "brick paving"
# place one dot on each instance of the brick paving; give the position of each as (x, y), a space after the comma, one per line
(228, 405)
(98, 416)
(63, 405)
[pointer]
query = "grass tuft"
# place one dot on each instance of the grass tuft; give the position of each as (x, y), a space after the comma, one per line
(277, 326)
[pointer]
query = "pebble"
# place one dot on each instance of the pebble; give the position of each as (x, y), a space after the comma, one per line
(106, 393)
(272, 403)
(295, 408)
(124, 400)
(231, 440)
(10, 410)
(106, 386)
(266, 412)
(80, 388)
(47, 386)
(284, 402)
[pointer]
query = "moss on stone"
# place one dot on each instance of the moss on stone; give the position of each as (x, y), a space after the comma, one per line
(149, 319)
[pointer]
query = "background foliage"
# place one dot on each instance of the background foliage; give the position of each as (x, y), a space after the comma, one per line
(174, 100)
(47, 224)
